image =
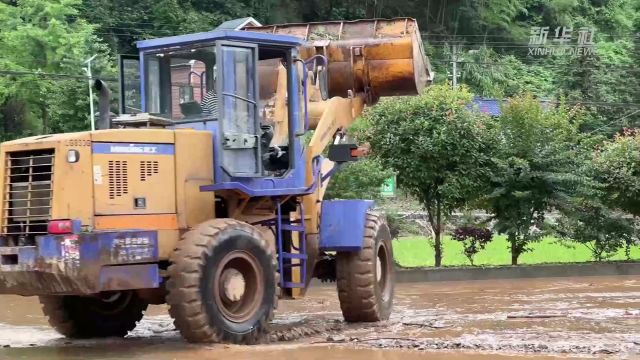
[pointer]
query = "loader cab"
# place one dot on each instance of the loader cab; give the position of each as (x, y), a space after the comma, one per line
(244, 87)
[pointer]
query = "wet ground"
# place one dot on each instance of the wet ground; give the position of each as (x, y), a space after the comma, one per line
(596, 317)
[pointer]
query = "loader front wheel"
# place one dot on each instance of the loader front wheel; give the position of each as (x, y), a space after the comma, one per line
(222, 283)
(105, 315)
(366, 278)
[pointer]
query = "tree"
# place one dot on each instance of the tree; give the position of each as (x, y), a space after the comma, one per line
(601, 230)
(606, 76)
(39, 38)
(358, 180)
(122, 22)
(440, 150)
(536, 169)
(490, 74)
(617, 166)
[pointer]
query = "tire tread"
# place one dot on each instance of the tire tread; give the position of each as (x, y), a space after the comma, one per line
(186, 304)
(356, 279)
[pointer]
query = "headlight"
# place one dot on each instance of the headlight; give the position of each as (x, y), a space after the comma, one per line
(73, 156)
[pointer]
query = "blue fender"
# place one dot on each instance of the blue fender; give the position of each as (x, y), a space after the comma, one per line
(342, 224)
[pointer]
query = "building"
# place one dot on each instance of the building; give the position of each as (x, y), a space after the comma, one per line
(493, 107)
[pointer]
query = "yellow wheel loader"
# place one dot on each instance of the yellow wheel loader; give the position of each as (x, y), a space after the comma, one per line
(206, 191)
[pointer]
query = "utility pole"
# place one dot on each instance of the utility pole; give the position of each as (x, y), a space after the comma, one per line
(90, 77)
(454, 61)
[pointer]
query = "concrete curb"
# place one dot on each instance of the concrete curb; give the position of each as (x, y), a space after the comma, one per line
(517, 272)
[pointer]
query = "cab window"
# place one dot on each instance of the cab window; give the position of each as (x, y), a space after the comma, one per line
(180, 85)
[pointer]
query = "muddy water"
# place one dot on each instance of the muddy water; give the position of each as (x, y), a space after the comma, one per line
(262, 353)
(595, 317)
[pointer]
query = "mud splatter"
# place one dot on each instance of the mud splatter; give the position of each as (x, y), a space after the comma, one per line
(595, 318)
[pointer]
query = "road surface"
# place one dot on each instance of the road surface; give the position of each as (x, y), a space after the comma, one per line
(594, 317)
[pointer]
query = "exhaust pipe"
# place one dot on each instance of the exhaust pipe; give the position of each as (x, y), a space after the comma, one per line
(104, 99)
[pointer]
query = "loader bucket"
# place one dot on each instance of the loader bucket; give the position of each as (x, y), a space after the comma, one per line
(376, 56)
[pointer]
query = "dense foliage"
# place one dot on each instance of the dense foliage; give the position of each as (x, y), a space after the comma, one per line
(45, 37)
(440, 151)
(535, 171)
(600, 229)
(358, 180)
(603, 215)
(490, 38)
(527, 163)
(617, 165)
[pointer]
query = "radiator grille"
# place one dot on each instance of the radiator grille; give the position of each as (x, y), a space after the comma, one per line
(148, 168)
(28, 193)
(118, 178)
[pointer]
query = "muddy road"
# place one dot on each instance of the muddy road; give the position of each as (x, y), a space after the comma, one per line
(596, 317)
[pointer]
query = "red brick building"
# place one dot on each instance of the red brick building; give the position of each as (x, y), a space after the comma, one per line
(188, 83)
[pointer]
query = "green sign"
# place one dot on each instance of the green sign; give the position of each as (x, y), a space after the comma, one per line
(388, 188)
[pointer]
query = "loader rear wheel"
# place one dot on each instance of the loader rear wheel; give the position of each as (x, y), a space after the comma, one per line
(366, 278)
(222, 283)
(106, 315)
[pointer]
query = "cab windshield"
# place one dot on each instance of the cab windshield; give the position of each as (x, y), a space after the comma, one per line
(249, 99)
(180, 85)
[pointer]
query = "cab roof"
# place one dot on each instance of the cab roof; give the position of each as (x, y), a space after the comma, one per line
(230, 35)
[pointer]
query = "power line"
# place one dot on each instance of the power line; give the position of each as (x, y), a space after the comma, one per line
(586, 103)
(591, 103)
(596, 104)
(118, 26)
(147, 35)
(551, 67)
(138, 29)
(165, 32)
(144, 29)
(502, 46)
(510, 43)
(630, 35)
(501, 43)
(618, 121)
(53, 75)
(634, 35)
(81, 77)
(546, 66)
(122, 21)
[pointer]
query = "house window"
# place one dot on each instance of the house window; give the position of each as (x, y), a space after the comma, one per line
(185, 93)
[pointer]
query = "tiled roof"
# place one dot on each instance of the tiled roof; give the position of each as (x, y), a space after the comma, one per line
(487, 106)
(237, 24)
(492, 107)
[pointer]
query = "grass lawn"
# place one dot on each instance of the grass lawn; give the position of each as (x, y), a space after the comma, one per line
(417, 252)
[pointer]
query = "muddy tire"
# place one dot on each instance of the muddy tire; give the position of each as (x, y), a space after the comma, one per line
(81, 317)
(366, 278)
(222, 283)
